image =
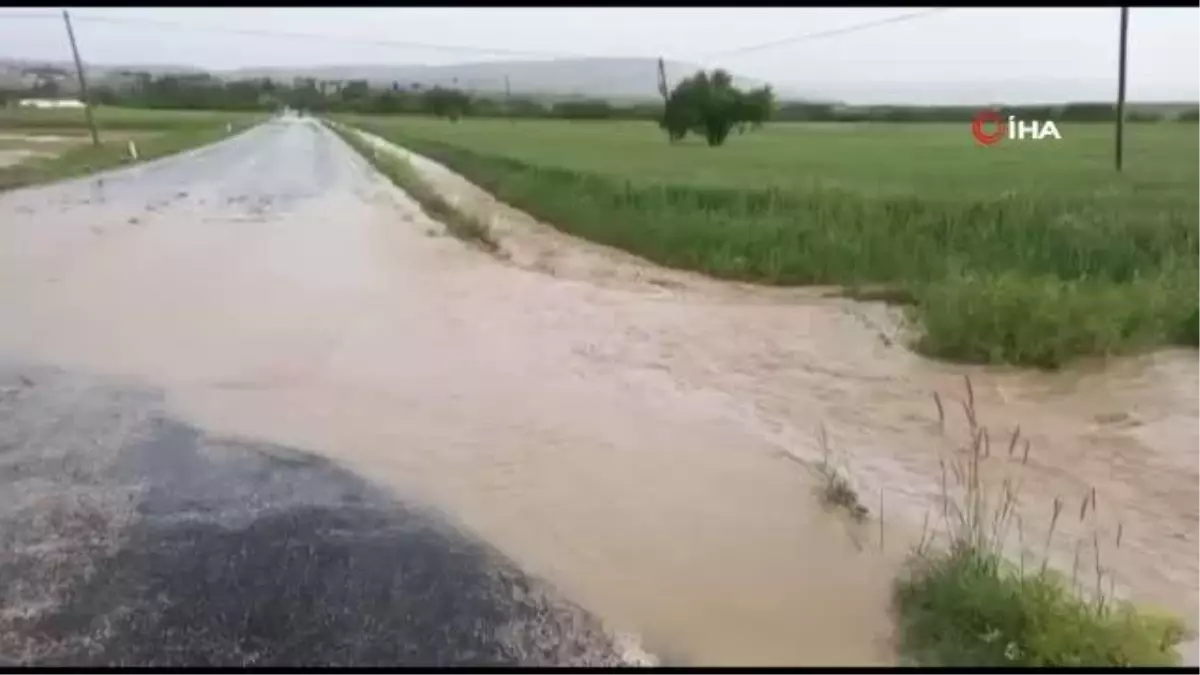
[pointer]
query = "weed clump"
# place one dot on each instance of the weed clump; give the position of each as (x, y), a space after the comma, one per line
(836, 490)
(966, 607)
(965, 604)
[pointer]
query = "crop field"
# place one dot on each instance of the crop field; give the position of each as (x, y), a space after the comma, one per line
(37, 146)
(1030, 253)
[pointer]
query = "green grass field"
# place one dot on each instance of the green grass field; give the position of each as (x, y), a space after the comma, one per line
(117, 119)
(1027, 252)
(157, 132)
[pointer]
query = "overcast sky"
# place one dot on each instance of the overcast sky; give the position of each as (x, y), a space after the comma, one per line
(1007, 53)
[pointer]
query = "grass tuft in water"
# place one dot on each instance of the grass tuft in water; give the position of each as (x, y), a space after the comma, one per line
(964, 604)
(836, 490)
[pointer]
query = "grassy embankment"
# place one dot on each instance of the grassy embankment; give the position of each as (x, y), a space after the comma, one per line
(1030, 253)
(962, 602)
(399, 171)
(65, 150)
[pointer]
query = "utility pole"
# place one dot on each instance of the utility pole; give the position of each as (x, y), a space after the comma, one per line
(662, 81)
(83, 92)
(1121, 89)
(508, 101)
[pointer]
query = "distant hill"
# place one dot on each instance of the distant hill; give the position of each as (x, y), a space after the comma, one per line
(11, 66)
(613, 79)
(14, 73)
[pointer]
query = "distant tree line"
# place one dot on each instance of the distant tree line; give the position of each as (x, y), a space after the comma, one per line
(706, 104)
(143, 90)
(1067, 112)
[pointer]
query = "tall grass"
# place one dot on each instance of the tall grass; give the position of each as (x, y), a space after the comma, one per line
(961, 602)
(1046, 321)
(1124, 256)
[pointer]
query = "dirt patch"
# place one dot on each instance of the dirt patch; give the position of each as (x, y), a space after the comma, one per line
(15, 156)
(18, 148)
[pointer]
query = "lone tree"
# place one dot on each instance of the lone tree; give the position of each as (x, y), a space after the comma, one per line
(709, 105)
(449, 103)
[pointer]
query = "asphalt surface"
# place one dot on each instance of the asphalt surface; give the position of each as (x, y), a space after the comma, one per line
(129, 537)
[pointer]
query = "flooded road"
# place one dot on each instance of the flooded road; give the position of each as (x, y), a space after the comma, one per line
(132, 539)
(626, 433)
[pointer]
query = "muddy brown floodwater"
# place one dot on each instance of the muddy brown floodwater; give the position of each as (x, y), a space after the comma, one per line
(625, 432)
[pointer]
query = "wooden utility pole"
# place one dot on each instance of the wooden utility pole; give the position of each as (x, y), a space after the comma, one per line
(508, 101)
(1121, 88)
(662, 80)
(83, 92)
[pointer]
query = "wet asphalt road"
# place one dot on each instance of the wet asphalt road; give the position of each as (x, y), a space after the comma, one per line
(128, 537)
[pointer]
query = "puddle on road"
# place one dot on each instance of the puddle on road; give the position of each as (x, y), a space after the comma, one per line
(618, 429)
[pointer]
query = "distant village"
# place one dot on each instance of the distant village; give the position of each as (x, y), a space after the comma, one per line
(39, 87)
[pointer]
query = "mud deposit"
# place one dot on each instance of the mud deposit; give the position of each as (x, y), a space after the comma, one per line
(130, 538)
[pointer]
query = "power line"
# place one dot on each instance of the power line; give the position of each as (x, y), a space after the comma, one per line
(357, 39)
(464, 49)
(494, 51)
(827, 33)
(497, 51)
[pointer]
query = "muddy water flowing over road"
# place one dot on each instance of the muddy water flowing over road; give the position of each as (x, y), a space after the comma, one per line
(621, 431)
(788, 361)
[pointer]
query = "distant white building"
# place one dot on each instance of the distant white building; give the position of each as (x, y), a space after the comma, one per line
(50, 103)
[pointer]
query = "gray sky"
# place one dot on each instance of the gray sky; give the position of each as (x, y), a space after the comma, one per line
(1016, 54)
